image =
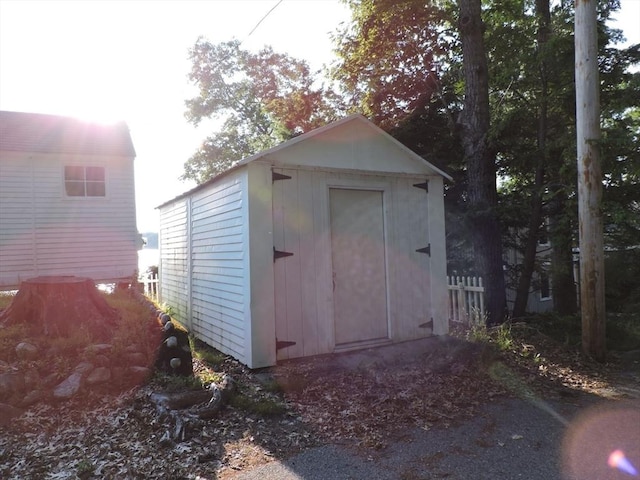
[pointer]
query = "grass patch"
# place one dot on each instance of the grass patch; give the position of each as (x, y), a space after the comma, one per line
(264, 407)
(9, 337)
(622, 330)
(85, 468)
(6, 298)
(210, 356)
(177, 383)
(499, 336)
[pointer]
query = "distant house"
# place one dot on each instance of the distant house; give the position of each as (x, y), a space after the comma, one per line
(540, 298)
(332, 241)
(67, 199)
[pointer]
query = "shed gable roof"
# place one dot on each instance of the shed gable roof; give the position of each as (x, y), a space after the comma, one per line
(353, 134)
(36, 132)
(352, 143)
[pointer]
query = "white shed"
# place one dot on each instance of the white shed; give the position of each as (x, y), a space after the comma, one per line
(332, 241)
(67, 199)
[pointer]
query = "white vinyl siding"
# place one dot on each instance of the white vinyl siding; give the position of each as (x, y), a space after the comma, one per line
(174, 264)
(46, 233)
(17, 236)
(218, 254)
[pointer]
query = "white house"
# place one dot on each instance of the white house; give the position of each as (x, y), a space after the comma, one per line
(67, 199)
(332, 241)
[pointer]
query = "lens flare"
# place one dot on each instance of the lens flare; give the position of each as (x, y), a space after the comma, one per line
(618, 460)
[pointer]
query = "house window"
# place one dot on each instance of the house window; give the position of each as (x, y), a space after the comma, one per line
(543, 235)
(545, 286)
(84, 181)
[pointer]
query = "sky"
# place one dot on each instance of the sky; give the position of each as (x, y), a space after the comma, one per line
(128, 60)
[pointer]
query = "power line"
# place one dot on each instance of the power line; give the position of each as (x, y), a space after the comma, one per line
(263, 18)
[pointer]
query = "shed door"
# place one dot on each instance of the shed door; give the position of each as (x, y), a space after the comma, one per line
(358, 258)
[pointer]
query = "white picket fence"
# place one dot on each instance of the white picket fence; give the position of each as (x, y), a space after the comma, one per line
(150, 284)
(466, 300)
(466, 297)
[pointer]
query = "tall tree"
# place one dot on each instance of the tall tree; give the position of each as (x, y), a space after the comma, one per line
(399, 64)
(543, 16)
(480, 160)
(262, 98)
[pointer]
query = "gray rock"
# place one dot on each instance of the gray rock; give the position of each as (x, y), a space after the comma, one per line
(83, 367)
(139, 374)
(10, 383)
(50, 380)
(33, 397)
(136, 358)
(31, 378)
(98, 376)
(101, 360)
(26, 351)
(98, 349)
(69, 387)
(133, 348)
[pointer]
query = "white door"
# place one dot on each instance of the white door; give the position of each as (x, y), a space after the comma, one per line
(359, 272)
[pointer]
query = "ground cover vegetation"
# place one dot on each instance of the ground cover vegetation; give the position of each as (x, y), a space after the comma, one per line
(277, 412)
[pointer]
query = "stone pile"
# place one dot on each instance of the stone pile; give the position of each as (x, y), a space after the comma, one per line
(98, 367)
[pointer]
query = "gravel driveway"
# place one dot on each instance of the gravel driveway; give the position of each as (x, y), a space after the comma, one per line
(511, 439)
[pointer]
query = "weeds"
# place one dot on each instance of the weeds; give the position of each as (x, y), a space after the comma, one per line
(6, 298)
(85, 468)
(499, 336)
(9, 337)
(265, 407)
(211, 357)
(176, 383)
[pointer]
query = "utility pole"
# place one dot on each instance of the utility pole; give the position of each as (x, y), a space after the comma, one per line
(589, 181)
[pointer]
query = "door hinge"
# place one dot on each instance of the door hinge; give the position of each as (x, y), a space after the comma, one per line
(280, 344)
(280, 254)
(424, 186)
(278, 176)
(426, 250)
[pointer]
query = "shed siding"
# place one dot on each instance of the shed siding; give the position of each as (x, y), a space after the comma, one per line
(219, 273)
(94, 237)
(353, 146)
(303, 282)
(260, 316)
(241, 300)
(438, 259)
(303, 294)
(174, 252)
(409, 270)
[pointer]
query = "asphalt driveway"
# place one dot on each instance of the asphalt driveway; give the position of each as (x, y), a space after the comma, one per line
(511, 439)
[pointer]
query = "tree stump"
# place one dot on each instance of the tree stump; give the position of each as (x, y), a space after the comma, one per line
(60, 305)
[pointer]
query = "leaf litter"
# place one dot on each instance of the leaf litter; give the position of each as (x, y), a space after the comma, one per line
(118, 435)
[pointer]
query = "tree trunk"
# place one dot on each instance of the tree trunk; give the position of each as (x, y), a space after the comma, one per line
(480, 161)
(61, 306)
(563, 286)
(543, 15)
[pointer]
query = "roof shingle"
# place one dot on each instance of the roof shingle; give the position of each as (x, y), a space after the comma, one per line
(36, 132)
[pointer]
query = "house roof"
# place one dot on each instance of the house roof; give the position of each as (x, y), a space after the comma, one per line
(37, 132)
(271, 153)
